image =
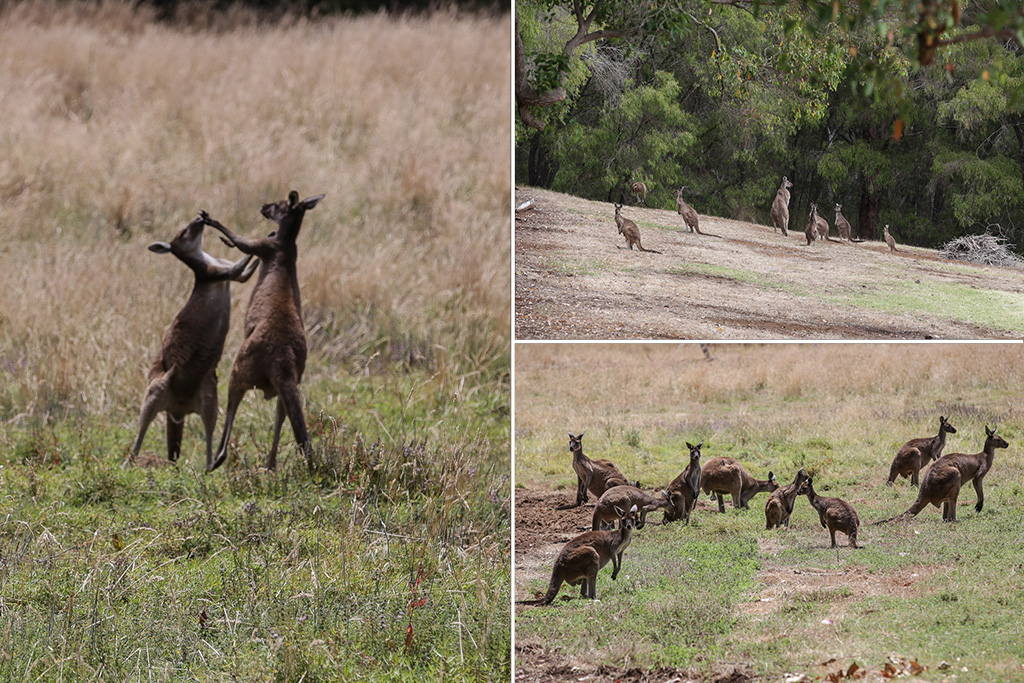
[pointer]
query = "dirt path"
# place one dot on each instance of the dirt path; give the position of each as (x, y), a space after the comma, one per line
(576, 280)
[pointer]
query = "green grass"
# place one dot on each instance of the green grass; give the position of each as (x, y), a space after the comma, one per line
(744, 276)
(388, 561)
(963, 303)
(725, 590)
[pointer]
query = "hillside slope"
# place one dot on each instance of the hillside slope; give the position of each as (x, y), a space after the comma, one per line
(575, 279)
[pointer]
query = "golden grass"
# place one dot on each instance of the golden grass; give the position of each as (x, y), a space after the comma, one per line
(118, 129)
(788, 402)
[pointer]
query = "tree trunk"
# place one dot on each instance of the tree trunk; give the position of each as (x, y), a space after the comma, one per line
(541, 172)
(868, 228)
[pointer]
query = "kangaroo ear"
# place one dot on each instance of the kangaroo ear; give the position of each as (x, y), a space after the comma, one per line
(990, 433)
(310, 202)
(633, 509)
(619, 511)
(160, 247)
(580, 436)
(690, 445)
(771, 477)
(700, 445)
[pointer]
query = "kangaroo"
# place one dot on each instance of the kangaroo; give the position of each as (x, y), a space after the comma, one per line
(843, 226)
(811, 231)
(889, 240)
(183, 376)
(944, 479)
(780, 207)
(690, 216)
(639, 190)
(821, 225)
(780, 503)
(581, 558)
(595, 476)
(682, 493)
(725, 475)
(833, 513)
(273, 354)
(621, 497)
(628, 229)
(916, 453)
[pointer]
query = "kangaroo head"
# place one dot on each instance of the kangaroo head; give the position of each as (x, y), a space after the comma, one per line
(772, 484)
(288, 213)
(694, 451)
(839, 209)
(627, 520)
(946, 427)
(187, 243)
(785, 182)
(806, 486)
(993, 439)
(575, 442)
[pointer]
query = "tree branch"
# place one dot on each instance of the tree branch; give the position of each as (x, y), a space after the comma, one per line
(697, 21)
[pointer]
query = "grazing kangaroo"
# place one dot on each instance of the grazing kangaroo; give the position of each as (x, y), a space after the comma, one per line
(843, 226)
(639, 190)
(780, 503)
(725, 475)
(595, 476)
(916, 453)
(628, 229)
(780, 207)
(609, 507)
(183, 376)
(682, 493)
(944, 479)
(272, 357)
(581, 558)
(834, 514)
(889, 240)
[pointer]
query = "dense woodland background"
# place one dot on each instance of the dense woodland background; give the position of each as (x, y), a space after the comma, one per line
(727, 99)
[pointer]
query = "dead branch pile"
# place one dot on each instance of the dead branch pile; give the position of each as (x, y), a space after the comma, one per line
(987, 248)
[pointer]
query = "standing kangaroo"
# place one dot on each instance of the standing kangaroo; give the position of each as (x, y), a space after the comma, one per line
(811, 231)
(781, 502)
(618, 498)
(690, 216)
(682, 493)
(916, 453)
(889, 240)
(595, 476)
(821, 225)
(639, 190)
(780, 207)
(944, 479)
(628, 229)
(833, 513)
(843, 226)
(581, 558)
(183, 376)
(272, 357)
(725, 475)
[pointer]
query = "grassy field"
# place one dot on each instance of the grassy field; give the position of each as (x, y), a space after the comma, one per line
(725, 592)
(391, 559)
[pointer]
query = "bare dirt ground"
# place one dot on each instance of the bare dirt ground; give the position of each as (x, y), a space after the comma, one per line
(541, 528)
(575, 279)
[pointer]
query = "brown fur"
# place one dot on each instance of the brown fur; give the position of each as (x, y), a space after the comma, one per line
(780, 503)
(811, 231)
(272, 357)
(944, 479)
(725, 475)
(821, 225)
(843, 225)
(623, 497)
(581, 558)
(183, 376)
(780, 207)
(629, 230)
(889, 240)
(834, 514)
(640, 191)
(682, 493)
(915, 454)
(689, 215)
(594, 476)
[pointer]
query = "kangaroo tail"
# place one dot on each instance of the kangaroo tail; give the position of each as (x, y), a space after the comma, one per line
(904, 516)
(548, 597)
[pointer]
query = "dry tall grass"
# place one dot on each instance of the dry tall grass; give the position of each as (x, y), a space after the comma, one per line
(118, 129)
(779, 404)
